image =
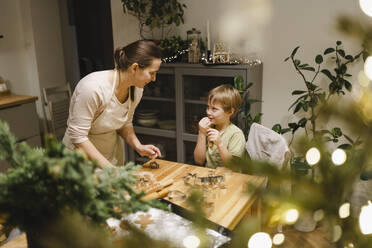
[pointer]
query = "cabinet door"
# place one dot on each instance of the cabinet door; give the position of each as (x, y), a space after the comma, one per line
(194, 89)
(22, 119)
(155, 117)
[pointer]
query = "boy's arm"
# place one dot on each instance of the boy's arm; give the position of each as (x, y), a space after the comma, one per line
(224, 153)
(200, 149)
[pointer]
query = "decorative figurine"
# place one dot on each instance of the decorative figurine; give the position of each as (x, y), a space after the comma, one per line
(221, 53)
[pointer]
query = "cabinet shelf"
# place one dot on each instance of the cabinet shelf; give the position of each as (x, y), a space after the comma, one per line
(155, 131)
(159, 99)
(200, 102)
(190, 137)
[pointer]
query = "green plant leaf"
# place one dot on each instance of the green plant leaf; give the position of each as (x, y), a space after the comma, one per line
(328, 74)
(285, 130)
(298, 99)
(329, 50)
(319, 59)
(305, 106)
(285, 60)
(338, 43)
(348, 85)
(349, 57)
(343, 69)
(239, 82)
(249, 85)
(308, 69)
(348, 139)
(336, 132)
(298, 107)
(341, 52)
(302, 122)
(293, 125)
(257, 118)
(298, 92)
(297, 62)
(294, 51)
(345, 146)
(303, 65)
(277, 128)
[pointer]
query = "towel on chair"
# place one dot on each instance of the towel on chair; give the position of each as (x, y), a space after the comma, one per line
(267, 145)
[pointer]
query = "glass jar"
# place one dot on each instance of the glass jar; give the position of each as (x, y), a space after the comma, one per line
(193, 39)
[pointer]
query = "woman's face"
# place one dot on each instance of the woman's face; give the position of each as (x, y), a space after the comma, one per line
(146, 75)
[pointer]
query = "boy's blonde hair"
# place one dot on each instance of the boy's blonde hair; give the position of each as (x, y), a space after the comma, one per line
(227, 96)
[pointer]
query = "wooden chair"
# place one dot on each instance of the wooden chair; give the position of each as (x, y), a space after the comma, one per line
(57, 102)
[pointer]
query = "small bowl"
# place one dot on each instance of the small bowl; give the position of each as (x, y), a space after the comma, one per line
(167, 124)
(147, 122)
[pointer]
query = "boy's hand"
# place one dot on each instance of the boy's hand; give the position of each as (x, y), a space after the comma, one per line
(214, 136)
(204, 125)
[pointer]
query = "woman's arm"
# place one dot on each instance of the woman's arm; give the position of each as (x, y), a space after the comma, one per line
(92, 152)
(200, 149)
(127, 133)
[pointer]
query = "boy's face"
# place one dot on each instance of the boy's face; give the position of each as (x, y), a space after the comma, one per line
(216, 114)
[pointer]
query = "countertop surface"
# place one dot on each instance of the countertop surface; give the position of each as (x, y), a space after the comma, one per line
(12, 100)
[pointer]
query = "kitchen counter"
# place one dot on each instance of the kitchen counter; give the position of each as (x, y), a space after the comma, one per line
(13, 100)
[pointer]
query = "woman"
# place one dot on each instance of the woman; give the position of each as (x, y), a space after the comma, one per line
(104, 102)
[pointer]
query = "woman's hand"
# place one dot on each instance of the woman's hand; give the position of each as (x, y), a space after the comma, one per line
(204, 125)
(150, 151)
(214, 136)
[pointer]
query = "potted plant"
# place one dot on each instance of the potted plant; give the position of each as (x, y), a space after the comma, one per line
(244, 114)
(45, 184)
(313, 96)
(153, 14)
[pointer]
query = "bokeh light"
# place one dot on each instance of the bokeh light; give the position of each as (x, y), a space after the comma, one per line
(312, 156)
(191, 242)
(337, 233)
(344, 210)
(365, 218)
(366, 6)
(338, 157)
(368, 67)
(291, 216)
(278, 239)
(318, 215)
(363, 80)
(260, 240)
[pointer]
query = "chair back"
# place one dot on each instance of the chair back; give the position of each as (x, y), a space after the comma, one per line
(57, 102)
(267, 145)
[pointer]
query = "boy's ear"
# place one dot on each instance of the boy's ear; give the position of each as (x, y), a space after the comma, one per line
(231, 111)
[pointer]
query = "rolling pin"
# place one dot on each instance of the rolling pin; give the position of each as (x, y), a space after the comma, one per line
(156, 195)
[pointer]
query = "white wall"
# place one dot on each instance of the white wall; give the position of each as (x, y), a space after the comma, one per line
(31, 52)
(309, 24)
(17, 51)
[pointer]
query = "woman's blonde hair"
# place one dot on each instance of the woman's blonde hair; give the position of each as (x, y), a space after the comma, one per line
(227, 96)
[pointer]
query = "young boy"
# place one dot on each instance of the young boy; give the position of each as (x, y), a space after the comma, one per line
(218, 138)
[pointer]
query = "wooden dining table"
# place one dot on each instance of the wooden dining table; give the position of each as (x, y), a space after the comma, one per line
(230, 204)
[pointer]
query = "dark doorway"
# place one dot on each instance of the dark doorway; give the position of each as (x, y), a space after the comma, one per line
(92, 19)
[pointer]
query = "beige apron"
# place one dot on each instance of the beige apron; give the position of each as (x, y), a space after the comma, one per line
(103, 133)
(103, 130)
